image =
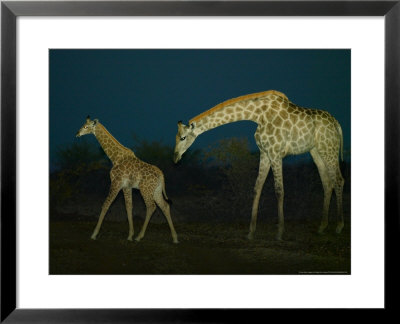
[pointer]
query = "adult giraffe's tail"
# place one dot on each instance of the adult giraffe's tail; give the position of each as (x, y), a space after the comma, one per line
(339, 129)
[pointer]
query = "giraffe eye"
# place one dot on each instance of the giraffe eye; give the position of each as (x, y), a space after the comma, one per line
(183, 138)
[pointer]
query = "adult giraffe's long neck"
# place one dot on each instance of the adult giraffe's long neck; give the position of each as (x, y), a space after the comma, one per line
(248, 107)
(114, 149)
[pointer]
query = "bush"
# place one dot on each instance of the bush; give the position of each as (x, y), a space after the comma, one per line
(154, 152)
(80, 154)
(238, 167)
(73, 163)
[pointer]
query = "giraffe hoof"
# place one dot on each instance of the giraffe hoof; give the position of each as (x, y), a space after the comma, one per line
(175, 241)
(279, 234)
(93, 237)
(137, 239)
(250, 236)
(130, 239)
(339, 229)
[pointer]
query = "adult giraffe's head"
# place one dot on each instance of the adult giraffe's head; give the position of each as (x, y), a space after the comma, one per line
(184, 138)
(87, 128)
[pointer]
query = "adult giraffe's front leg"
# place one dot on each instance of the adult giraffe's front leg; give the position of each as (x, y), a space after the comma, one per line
(107, 203)
(262, 175)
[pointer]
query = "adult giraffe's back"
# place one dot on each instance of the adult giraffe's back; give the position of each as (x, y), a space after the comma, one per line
(283, 129)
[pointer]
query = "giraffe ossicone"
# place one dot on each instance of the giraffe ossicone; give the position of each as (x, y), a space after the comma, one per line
(130, 172)
(284, 128)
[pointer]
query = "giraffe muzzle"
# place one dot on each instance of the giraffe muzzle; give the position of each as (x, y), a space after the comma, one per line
(177, 157)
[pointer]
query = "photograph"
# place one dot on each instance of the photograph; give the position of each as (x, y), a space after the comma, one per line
(199, 161)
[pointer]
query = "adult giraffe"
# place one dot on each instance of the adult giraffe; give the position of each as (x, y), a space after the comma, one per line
(283, 129)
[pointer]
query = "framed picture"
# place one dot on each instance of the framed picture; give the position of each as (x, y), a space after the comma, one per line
(154, 75)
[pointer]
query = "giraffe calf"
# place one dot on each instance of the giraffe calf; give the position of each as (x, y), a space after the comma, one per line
(130, 172)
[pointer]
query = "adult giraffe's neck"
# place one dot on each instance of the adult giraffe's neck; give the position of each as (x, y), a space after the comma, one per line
(114, 149)
(230, 113)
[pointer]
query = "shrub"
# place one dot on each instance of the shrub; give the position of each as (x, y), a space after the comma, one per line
(73, 163)
(238, 166)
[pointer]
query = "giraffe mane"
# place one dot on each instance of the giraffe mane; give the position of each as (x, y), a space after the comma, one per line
(113, 138)
(237, 99)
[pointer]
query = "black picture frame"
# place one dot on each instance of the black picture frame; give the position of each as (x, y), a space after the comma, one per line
(10, 10)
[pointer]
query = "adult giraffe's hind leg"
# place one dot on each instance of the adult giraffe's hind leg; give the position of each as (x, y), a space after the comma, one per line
(279, 192)
(339, 183)
(262, 175)
(128, 206)
(326, 184)
(114, 189)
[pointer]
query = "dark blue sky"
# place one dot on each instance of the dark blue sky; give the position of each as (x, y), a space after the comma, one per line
(147, 91)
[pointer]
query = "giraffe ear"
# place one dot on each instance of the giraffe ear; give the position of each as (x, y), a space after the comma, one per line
(192, 125)
(95, 121)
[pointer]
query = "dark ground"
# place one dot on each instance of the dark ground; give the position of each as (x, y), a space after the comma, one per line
(204, 248)
(212, 219)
